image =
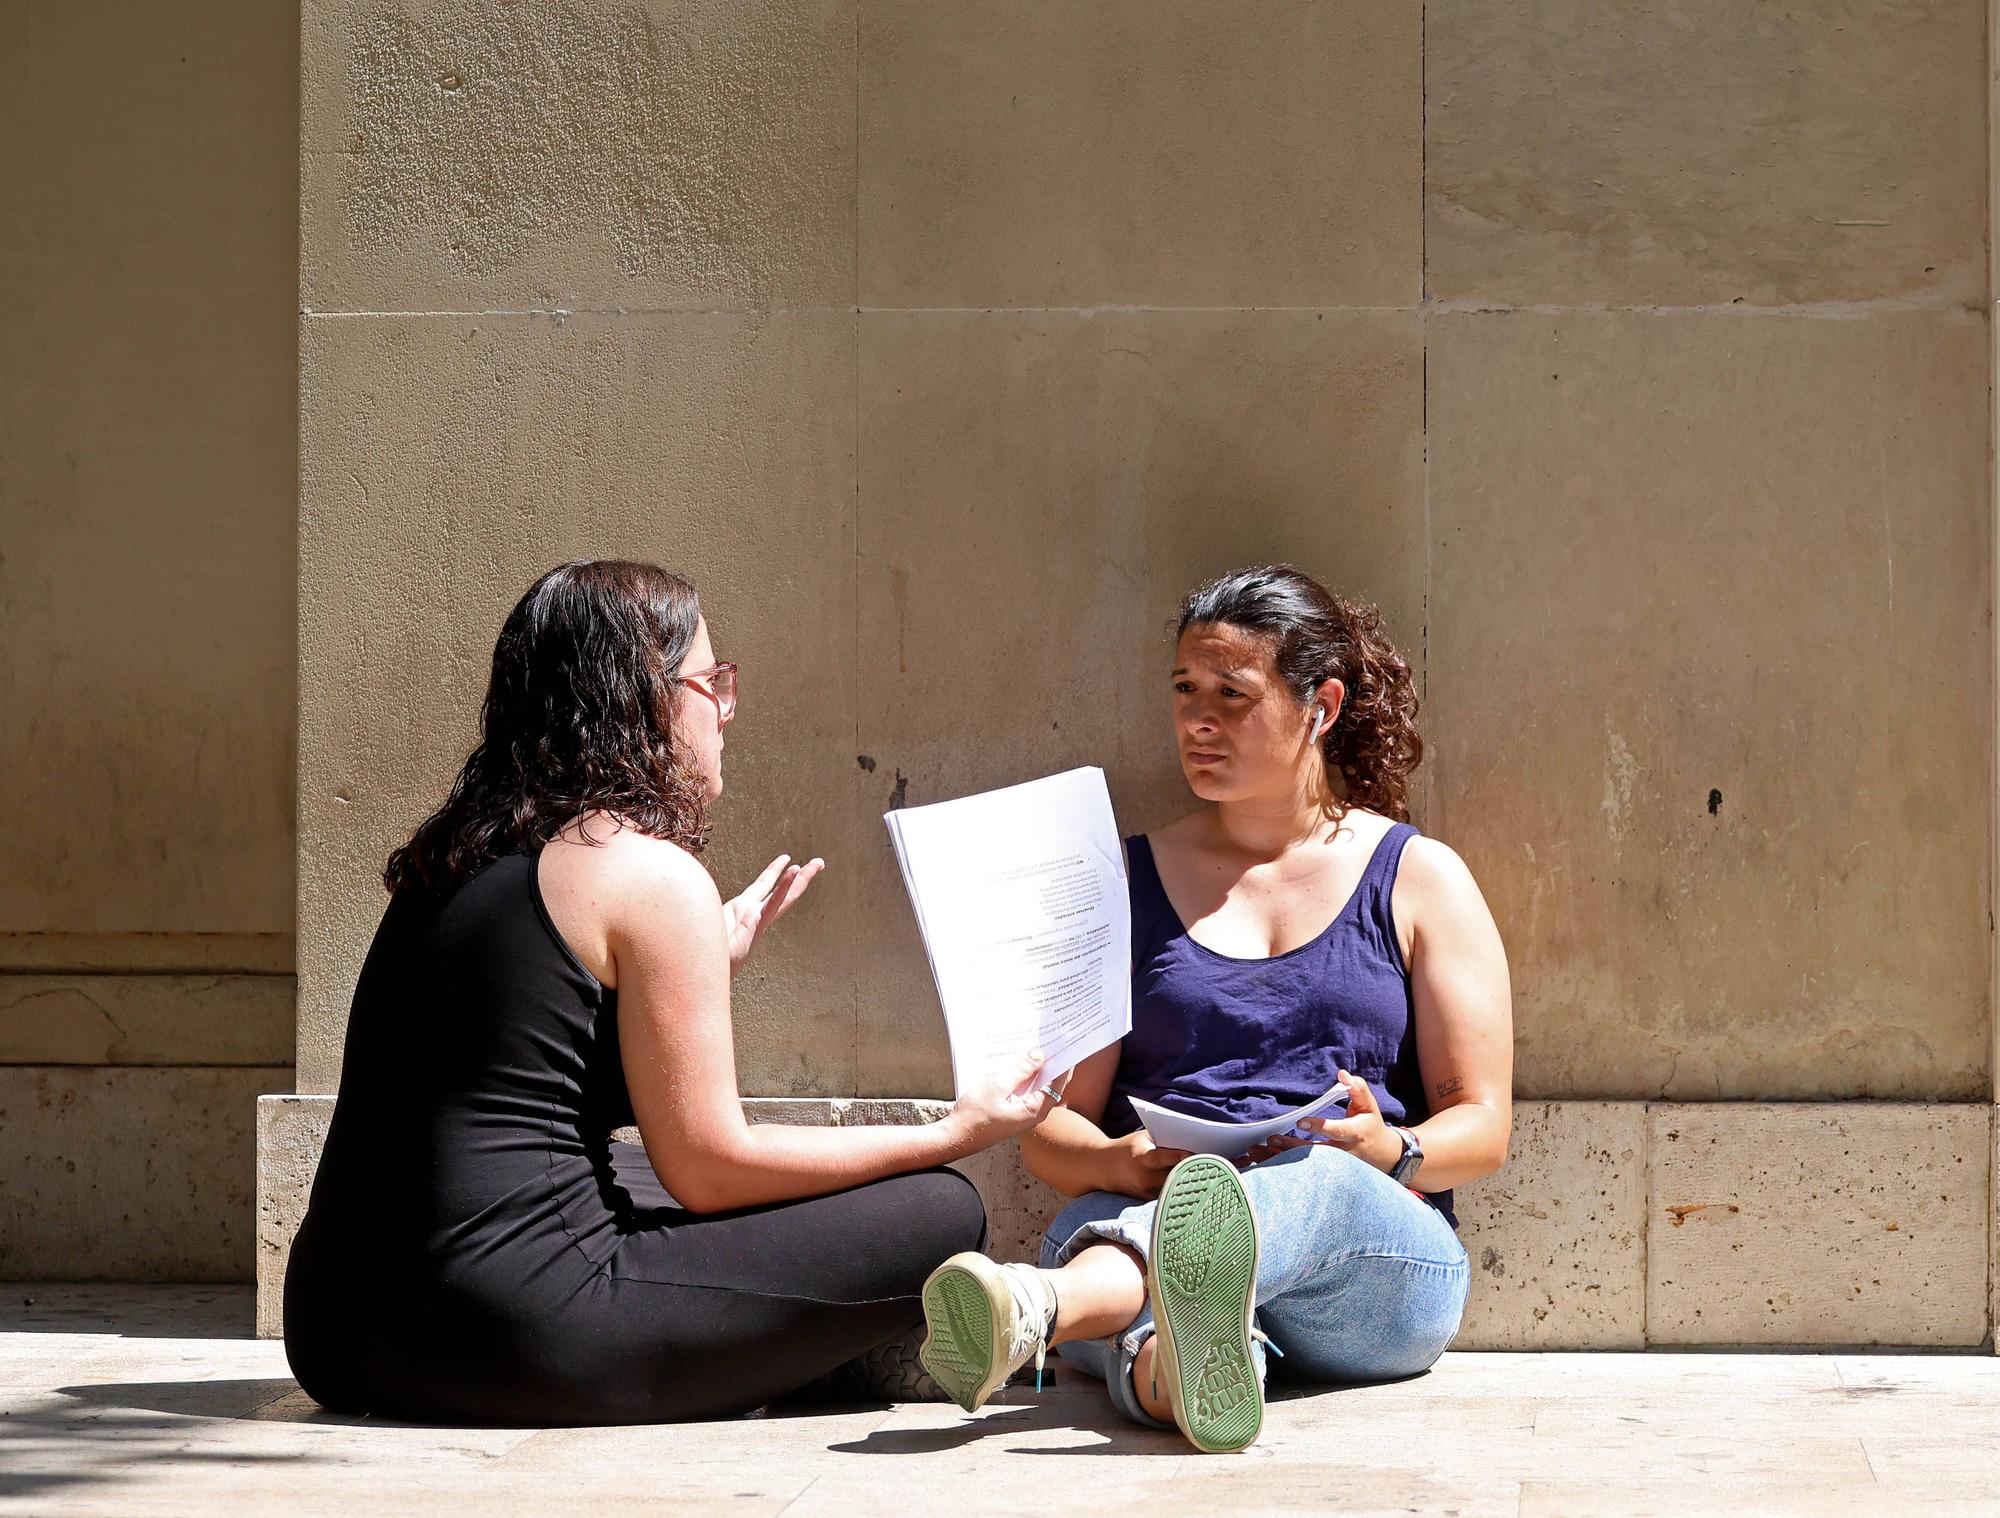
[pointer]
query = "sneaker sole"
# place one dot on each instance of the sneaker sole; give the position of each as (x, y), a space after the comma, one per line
(889, 1372)
(1203, 1275)
(961, 1347)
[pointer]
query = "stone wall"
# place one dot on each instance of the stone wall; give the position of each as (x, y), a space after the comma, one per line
(1634, 361)
(1645, 390)
(148, 249)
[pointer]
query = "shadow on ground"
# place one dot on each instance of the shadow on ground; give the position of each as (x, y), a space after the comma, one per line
(80, 1436)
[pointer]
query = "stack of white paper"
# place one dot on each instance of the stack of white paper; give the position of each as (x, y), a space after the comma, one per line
(1204, 1135)
(1021, 897)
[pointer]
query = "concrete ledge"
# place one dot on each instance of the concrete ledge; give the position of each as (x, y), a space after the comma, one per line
(291, 1131)
(1559, 1239)
(127, 1174)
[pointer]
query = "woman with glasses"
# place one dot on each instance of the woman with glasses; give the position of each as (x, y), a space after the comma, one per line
(554, 962)
(1292, 932)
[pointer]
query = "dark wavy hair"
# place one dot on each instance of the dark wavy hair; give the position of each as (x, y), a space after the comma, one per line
(1315, 636)
(578, 717)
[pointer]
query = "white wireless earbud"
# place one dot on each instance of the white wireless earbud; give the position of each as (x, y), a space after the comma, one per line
(1319, 721)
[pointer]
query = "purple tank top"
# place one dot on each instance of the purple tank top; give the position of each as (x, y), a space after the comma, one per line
(1241, 1039)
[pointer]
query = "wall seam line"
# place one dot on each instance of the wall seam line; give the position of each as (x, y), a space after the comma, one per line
(1992, 882)
(1813, 310)
(854, 586)
(1433, 795)
(1646, 1227)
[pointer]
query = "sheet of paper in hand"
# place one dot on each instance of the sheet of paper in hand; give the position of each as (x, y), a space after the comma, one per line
(1020, 895)
(1204, 1135)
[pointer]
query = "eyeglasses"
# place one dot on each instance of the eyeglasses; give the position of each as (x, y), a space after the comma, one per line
(721, 689)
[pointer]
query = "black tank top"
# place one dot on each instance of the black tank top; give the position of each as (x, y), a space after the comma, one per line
(479, 1249)
(469, 1153)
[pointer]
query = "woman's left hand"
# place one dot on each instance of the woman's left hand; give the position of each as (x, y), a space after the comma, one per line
(1362, 1132)
(763, 902)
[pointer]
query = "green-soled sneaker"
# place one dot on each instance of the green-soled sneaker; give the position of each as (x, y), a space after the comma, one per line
(983, 1321)
(1202, 1277)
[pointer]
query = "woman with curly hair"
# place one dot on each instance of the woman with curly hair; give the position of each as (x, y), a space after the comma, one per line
(1293, 931)
(554, 963)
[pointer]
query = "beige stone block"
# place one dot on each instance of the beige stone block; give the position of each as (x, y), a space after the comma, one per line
(1038, 491)
(1817, 1224)
(128, 1175)
(145, 1019)
(1700, 154)
(449, 462)
(291, 1132)
(470, 155)
(1557, 1238)
(1700, 585)
(147, 499)
(1189, 153)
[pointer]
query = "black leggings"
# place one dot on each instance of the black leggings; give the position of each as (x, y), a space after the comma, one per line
(695, 1316)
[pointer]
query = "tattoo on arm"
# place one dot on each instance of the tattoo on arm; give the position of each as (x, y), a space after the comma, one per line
(1446, 1088)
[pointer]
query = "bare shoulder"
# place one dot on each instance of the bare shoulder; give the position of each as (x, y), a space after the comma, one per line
(1431, 864)
(604, 882)
(638, 871)
(1435, 890)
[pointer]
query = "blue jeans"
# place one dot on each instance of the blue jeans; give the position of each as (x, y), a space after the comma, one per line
(1357, 1279)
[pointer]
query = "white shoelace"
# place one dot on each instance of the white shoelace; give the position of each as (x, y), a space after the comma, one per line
(1029, 1325)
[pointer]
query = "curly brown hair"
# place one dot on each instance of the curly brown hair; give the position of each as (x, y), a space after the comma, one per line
(1316, 636)
(578, 717)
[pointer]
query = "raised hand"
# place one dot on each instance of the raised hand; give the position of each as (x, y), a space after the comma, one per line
(763, 902)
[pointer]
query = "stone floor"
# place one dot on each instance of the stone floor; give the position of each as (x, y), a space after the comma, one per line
(156, 1400)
